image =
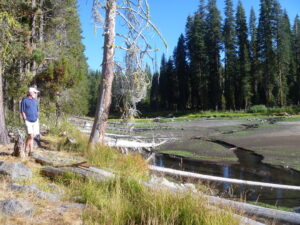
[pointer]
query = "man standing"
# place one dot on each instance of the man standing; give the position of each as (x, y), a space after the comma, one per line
(29, 112)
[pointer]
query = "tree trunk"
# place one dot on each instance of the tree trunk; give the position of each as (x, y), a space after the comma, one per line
(3, 132)
(19, 147)
(41, 28)
(104, 101)
(33, 36)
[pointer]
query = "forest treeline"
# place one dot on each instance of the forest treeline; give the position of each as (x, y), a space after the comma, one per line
(231, 63)
(41, 45)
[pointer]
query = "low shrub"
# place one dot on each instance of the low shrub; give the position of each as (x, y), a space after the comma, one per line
(258, 109)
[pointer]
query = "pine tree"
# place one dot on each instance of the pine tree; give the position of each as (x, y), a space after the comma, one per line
(181, 71)
(230, 60)
(8, 26)
(243, 87)
(195, 40)
(172, 86)
(295, 80)
(266, 35)
(284, 58)
(154, 92)
(213, 45)
(255, 76)
(163, 83)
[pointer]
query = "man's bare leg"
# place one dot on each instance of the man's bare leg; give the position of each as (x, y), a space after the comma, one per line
(29, 144)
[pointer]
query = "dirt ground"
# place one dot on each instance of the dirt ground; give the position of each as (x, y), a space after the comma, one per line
(278, 143)
(45, 211)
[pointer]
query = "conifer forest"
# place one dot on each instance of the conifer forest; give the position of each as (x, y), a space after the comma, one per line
(229, 63)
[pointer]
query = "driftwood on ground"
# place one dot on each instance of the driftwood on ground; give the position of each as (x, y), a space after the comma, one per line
(271, 216)
(191, 175)
(132, 145)
(261, 213)
(83, 172)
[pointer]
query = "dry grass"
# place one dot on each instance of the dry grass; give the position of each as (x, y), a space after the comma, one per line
(45, 212)
(123, 200)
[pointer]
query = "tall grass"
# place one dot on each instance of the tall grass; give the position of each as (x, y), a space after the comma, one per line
(126, 200)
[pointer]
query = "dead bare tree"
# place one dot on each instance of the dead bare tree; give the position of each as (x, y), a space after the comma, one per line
(130, 12)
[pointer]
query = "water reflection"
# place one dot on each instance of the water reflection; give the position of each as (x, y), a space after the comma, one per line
(249, 167)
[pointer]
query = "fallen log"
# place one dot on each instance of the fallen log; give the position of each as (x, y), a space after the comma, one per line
(46, 161)
(134, 145)
(83, 172)
(181, 173)
(263, 214)
(267, 215)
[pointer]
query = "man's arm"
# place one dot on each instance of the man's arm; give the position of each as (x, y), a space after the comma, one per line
(23, 115)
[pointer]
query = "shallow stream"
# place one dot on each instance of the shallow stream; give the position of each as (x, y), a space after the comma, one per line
(249, 167)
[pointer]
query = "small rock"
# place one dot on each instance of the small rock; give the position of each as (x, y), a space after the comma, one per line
(190, 187)
(157, 120)
(163, 183)
(15, 171)
(47, 196)
(63, 134)
(296, 210)
(16, 207)
(55, 188)
(71, 140)
(34, 189)
(77, 199)
(69, 206)
(25, 188)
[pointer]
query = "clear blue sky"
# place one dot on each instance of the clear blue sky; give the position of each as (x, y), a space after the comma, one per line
(169, 16)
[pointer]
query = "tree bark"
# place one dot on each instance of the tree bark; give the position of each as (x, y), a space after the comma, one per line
(3, 132)
(105, 94)
(33, 36)
(19, 147)
(41, 28)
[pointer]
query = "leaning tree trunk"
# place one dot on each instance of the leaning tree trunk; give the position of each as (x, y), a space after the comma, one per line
(105, 94)
(3, 132)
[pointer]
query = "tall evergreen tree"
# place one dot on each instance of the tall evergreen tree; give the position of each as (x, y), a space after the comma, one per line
(163, 83)
(213, 45)
(243, 87)
(295, 80)
(230, 59)
(266, 36)
(284, 58)
(8, 25)
(154, 92)
(255, 76)
(181, 71)
(172, 86)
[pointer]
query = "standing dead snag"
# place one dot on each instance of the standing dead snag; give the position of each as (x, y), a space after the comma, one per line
(126, 10)
(103, 104)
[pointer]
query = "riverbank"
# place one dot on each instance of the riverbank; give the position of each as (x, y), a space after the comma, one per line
(121, 200)
(256, 148)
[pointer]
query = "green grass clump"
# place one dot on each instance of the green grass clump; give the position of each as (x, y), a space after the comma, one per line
(105, 157)
(126, 200)
(258, 109)
(272, 206)
(196, 156)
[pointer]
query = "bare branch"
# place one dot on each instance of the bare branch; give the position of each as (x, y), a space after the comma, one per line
(145, 19)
